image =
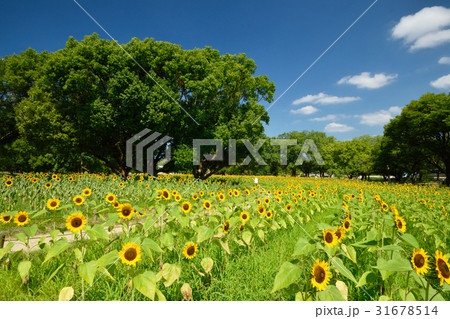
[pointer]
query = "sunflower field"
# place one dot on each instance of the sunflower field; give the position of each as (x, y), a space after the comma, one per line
(171, 237)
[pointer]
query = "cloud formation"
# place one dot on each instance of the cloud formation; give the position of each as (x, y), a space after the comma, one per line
(381, 117)
(338, 128)
(365, 80)
(444, 60)
(442, 83)
(323, 98)
(427, 28)
(306, 110)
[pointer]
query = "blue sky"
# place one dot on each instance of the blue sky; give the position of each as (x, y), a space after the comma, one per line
(396, 52)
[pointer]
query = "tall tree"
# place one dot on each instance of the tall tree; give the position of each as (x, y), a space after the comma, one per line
(423, 130)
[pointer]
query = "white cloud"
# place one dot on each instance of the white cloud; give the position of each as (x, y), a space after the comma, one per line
(329, 117)
(337, 127)
(424, 29)
(306, 110)
(442, 83)
(444, 60)
(323, 98)
(380, 117)
(366, 81)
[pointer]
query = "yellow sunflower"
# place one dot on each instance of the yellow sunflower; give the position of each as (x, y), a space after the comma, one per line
(340, 233)
(226, 227)
(21, 218)
(400, 223)
(48, 185)
(201, 193)
(165, 194)
(53, 203)
(130, 254)
(442, 267)
(78, 200)
(190, 250)
(221, 197)
(288, 207)
(261, 210)
(241, 228)
(87, 192)
(269, 214)
(126, 211)
(346, 224)
(195, 196)
(186, 207)
(207, 204)
(419, 260)
(110, 198)
(5, 219)
(267, 200)
(330, 238)
(116, 204)
(321, 275)
(245, 216)
(76, 222)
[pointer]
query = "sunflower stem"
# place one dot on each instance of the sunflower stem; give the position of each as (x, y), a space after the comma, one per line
(393, 236)
(407, 282)
(427, 290)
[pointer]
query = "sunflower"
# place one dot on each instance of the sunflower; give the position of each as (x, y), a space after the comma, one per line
(5, 219)
(178, 197)
(288, 207)
(226, 227)
(321, 275)
(245, 216)
(269, 214)
(346, 224)
(87, 192)
(201, 193)
(125, 211)
(241, 228)
(8, 182)
(78, 200)
(261, 210)
(121, 184)
(247, 192)
(48, 185)
(442, 267)
(53, 203)
(186, 207)
(21, 218)
(165, 194)
(419, 260)
(76, 222)
(190, 250)
(267, 200)
(110, 198)
(400, 223)
(116, 204)
(330, 238)
(221, 197)
(195, 196)
(207, 204)
(340, 233)
(130, 254)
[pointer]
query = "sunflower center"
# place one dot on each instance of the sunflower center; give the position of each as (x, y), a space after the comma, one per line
(190, 251)
(319, 274)
(110, 198)
(399, 224)
(347, 225)
(443, 268)
(22, 218)
(226, 226)
(329, 238)
(53, 204)
(338, 234)
(419, 261)
(244, 216)
(130, 254)
(78, 200)
(7, 218)
(207, 205)
(76, 222)
(126, 212)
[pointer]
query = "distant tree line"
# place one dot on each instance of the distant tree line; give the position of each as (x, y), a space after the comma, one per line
(74, 109)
